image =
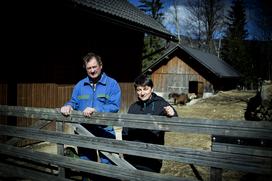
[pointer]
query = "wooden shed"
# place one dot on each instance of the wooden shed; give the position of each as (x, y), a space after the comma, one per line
(186, 70)
(44, 42)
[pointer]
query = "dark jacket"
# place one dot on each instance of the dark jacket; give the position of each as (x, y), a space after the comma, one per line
(153, 106)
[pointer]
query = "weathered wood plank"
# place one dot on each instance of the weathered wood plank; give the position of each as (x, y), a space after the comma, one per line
(252, 129)
(7, 170)
(38, 124)
(60, 147)
(215, 174)
(242, 149)
(230, 161)
(86, 166)
(112, 156)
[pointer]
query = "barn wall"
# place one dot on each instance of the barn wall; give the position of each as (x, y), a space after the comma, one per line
(50, 95)
(54, 37)
(3, 93)
(3, 100)
(45, 54)
(128, 95)
(36, 95)
(174, 76)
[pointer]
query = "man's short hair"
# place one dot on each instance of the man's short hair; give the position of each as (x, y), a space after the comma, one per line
(89, 56)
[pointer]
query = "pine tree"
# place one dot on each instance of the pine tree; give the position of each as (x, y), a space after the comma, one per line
(153, 8)
(234, 48)
(152, 43)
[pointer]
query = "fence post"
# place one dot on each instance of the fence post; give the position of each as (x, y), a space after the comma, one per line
(215, 174)
(60, 148)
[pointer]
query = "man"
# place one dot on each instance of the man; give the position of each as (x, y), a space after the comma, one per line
(95, 93)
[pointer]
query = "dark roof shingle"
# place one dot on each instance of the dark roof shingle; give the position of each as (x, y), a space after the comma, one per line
(217, 66)
(129, 14)
(213, 63)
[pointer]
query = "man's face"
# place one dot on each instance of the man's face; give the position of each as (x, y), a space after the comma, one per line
(144, 92)
(93, 68)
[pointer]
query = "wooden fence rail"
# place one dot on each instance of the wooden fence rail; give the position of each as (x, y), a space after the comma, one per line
(260, 163)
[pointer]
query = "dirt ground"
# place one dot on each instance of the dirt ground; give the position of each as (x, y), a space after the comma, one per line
(227, 105)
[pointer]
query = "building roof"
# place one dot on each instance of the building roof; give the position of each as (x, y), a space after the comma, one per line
(214, 64)
(124, 13)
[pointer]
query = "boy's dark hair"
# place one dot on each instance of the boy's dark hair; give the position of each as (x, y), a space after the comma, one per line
(143, 80)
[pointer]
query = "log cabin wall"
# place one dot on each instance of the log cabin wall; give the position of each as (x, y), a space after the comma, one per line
(128, 95)
(175, 76)
(3, 100)
(36, 95)
(51, 95)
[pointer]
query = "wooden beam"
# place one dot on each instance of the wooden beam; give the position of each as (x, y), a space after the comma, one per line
(86, 165)
(242, 149)
(38, 124)
(112, 156)
(253, 129)
(14, 171)
(215, 174)
(246, 163)
(60, 147)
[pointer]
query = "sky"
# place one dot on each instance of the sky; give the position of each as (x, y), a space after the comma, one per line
(251, 27)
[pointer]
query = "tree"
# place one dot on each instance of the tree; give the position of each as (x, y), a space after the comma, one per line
(176, 19)
(234, 49)
(194, 22)
(261, 15)
(205, 20)
(212, 16)
(200, 20)
(152, 43)
(173, 20)
(153, 8)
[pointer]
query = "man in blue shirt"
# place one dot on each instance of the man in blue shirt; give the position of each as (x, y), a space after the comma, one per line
(95, 93)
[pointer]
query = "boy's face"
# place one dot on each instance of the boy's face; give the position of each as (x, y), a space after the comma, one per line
(144, 92)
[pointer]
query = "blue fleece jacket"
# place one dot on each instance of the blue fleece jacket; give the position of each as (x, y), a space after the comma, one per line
(104, 97)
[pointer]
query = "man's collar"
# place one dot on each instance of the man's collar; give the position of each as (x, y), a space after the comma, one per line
(102, 79)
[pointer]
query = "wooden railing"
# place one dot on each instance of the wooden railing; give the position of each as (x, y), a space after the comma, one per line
(22, 162)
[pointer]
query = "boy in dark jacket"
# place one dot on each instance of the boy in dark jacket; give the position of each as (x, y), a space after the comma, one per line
(148, 103)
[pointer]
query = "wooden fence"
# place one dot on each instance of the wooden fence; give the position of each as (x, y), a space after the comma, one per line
(25, 163)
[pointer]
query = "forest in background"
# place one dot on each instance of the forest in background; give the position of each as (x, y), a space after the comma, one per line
(219, 28)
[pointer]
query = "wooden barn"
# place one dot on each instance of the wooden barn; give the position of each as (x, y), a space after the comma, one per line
(186, 70)
(44, 42)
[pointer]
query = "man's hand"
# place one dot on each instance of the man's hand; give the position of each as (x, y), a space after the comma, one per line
(66, 110)
(89, 111)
